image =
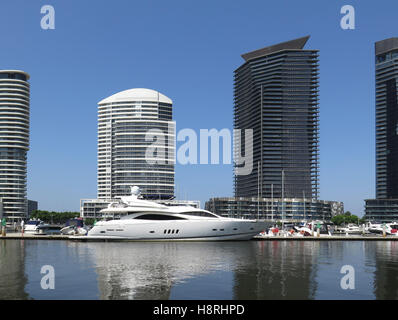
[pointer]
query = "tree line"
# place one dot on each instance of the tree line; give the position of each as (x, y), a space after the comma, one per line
(347, 218)
(53, 216)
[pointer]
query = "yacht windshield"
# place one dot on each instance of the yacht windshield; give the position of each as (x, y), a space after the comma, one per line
(34, 223)
(200, 214)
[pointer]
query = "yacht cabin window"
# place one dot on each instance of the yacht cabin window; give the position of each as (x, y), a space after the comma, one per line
(153, 216)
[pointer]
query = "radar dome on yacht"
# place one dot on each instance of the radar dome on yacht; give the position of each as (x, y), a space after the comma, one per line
(135, 191)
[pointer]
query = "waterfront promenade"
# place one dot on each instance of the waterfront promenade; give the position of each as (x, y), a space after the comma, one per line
(27, 236)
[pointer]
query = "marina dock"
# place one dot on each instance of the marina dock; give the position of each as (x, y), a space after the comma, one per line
(328, 238)
(27, 236)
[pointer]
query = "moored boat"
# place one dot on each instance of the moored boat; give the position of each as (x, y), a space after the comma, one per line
(138, 219)
(33, 226)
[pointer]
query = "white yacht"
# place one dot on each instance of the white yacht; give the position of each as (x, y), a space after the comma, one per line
(137, 219)
(350, 229)
(33, 226)
(379, 228)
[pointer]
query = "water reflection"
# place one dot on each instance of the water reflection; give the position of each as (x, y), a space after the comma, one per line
(278, 270)
(12, 273)
(150, 270)
(201, 270)
(260, 270)
(384, 255)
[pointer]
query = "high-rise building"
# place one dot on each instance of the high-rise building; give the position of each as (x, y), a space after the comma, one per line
(276, 95)
(386, 52)
(14, 142)
(136, 147)
(385, 206)
(129, 123)
(32, 207)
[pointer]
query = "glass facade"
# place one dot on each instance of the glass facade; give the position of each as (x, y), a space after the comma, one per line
(386, 119)
(385, 207)
(14, 141)
(128, 125)
(381, 210)
(276, 95)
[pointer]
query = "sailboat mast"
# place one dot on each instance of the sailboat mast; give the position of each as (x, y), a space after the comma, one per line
(272, 202)
(258, 191)
(304, 205)
(283, 196)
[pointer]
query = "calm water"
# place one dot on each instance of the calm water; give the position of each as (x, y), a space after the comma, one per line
(208, 270)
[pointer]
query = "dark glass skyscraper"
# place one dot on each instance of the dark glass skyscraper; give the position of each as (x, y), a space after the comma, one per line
(276, 95)
(385, 206)
(386, 52)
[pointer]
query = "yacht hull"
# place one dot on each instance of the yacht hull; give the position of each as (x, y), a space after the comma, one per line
(200, 230)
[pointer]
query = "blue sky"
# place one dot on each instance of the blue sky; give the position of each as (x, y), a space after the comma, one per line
(188, 51)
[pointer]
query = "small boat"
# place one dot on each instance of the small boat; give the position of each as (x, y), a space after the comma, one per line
(304, 232)
(48, 229)
(311, 229)
(350, 229)
(380, 228)
(374, 227)
(393, 228)
(74, 227)
(34, 226)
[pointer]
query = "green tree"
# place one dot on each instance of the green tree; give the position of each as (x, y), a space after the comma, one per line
(362, 220)
(353, 219)
(345, 218)
(89, 221)
(53, 216)
(338, 220)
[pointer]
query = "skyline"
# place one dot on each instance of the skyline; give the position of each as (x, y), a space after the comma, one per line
(189, 53)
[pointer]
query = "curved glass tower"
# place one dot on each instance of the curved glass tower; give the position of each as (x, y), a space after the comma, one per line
(129, 124)
(14, 141)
